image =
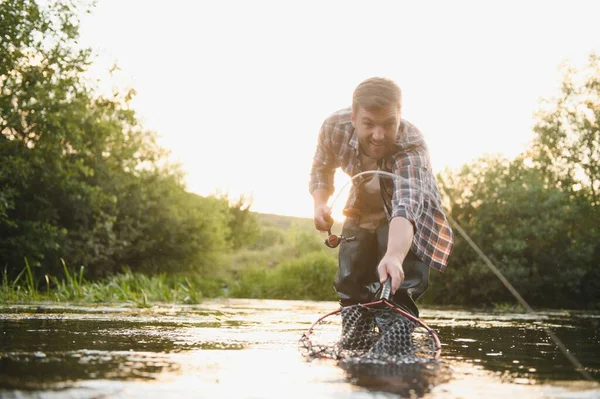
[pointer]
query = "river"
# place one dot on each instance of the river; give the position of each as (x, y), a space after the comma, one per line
(241, 348)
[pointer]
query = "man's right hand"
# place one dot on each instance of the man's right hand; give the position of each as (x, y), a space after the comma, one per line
(323, 219)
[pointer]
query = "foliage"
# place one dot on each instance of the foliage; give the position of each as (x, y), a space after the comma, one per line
(275, 272)
(567, 144)
(80, 178)
(136, 288)
(308, 277)
(268, 237)
(298, 239)
(243, 225)
(536, 217)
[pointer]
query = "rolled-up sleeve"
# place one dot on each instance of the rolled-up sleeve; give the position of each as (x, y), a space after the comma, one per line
(416, 198)
(324, 162)
(407, 200)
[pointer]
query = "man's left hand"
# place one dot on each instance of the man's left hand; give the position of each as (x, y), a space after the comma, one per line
(391, 266)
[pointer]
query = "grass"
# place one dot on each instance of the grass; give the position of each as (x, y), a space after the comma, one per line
(297, 241)
(291, 264)
(134, 288)
(300, 268)
(309, 277)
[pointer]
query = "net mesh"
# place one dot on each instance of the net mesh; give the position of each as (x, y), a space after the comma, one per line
(369, 334)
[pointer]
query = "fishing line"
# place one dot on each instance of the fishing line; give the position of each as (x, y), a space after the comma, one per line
(561, 346)
(369, 172)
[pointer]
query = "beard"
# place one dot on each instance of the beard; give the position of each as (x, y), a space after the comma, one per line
(375, 149)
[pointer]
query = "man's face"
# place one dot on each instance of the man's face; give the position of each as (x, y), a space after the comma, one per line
(376, 130)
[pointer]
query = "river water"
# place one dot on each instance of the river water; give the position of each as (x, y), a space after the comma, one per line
(249, 349)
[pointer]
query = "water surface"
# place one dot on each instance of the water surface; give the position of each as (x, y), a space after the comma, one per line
(248, 349)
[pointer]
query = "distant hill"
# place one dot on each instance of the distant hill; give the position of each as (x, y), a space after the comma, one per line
(285, 222)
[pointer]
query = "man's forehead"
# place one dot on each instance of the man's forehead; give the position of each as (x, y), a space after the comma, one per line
(379, 114)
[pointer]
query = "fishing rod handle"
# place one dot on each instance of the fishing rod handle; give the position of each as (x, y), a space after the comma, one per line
(387, 289)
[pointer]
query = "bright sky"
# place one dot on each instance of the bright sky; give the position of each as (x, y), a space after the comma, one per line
(237, 90)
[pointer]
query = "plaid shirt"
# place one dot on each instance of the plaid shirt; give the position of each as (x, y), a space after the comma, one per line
(415, 196)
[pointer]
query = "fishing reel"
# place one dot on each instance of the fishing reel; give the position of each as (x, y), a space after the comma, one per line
(332, 240)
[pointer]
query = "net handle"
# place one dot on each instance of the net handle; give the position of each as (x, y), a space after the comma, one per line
(387, 289)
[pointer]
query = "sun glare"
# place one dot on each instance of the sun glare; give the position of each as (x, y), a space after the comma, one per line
(240, 107)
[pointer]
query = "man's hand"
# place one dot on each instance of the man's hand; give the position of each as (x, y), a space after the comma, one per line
(323, 220)
(399, 241)
(391, 266)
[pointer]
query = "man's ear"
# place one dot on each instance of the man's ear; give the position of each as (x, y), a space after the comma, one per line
(352, 118)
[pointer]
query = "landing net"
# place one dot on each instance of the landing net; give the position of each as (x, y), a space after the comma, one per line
(377, 333)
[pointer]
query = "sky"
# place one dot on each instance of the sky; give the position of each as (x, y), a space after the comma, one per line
(237, 90)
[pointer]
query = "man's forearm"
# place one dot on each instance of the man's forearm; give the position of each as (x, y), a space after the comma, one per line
(400, 237)
(320, 197)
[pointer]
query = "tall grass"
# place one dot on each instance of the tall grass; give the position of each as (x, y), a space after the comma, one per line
(128, 287)
(297, 242)
(16, 290)
(310, 278)
(291, 264)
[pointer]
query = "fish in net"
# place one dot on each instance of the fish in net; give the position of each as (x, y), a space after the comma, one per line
(379, 332)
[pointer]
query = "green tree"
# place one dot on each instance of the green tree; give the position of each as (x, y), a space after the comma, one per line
(535, 217)
(80, 178)
(567, 151)
(244, 228)
(567, 143)
(520, 224)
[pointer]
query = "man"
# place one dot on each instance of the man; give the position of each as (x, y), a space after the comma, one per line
(398, 223)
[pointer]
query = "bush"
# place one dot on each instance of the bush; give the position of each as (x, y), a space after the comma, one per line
(268, 237)
(307, 278)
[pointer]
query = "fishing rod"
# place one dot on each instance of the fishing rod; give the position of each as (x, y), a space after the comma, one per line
(561, 346)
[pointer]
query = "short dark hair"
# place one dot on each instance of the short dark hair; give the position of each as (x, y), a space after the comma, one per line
(376, 93)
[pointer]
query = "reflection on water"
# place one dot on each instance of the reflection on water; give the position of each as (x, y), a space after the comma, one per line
(248, 348)
(517, 347)
(408, 379)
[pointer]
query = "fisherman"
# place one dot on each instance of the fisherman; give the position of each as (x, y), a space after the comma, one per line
(398, 225)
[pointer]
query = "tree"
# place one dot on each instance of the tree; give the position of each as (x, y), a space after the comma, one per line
(536, 217)
(567, 143)
(567, 150)
(243, 225)
(80, 178)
